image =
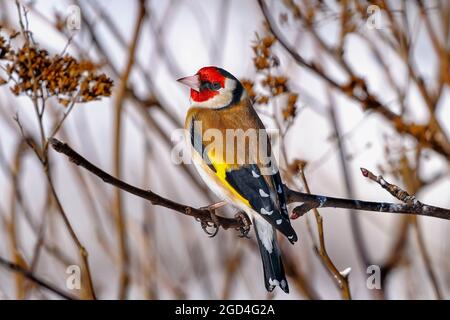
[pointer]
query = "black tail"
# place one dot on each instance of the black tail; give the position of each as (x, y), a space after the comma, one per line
(270, 255)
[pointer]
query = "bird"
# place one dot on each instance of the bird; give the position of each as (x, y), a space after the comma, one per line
(243, 175)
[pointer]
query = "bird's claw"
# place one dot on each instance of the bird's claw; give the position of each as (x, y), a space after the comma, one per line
(245, 222)
(206, 224)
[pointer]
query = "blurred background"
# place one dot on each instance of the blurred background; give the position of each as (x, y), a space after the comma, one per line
(349, 84)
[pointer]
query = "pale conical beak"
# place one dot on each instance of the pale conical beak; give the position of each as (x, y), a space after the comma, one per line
(192, 82)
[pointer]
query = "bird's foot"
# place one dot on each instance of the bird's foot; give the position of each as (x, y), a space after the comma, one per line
(215, 222)
(246, 223)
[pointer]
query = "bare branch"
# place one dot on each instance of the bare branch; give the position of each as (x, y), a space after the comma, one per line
(317, 201)
(155, 199)
(310, 201)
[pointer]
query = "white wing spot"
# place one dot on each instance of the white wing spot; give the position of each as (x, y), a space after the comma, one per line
(263, 194)
(264, 211)
(290, 237)
(265, 233)
(279, 221)
(283, 284)
(255, 175)
(279, 190)
(274, 282)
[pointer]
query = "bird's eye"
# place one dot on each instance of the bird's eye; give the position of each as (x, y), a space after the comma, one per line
(205, 86)
(215, 86)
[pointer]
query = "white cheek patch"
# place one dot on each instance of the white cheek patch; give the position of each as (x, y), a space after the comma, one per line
(220, 100)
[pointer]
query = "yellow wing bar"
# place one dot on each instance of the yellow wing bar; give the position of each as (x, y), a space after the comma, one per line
(221, 169)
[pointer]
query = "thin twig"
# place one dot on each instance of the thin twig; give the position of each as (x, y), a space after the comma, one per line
(30, 276)
(118, 111)
(341, 279)
(427, 261)
(12, 221)
(47, 171)
(318, 201)
(410, 200)
(355, 222)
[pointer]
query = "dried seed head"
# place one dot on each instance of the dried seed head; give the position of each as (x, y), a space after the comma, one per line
(38, 74)
(290, 110)
(266, 62)
(264, 57)
(4, 47)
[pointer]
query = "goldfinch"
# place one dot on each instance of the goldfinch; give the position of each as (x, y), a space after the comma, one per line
(239, 173)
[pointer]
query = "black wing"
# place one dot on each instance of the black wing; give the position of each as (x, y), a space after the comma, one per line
(266, 198)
